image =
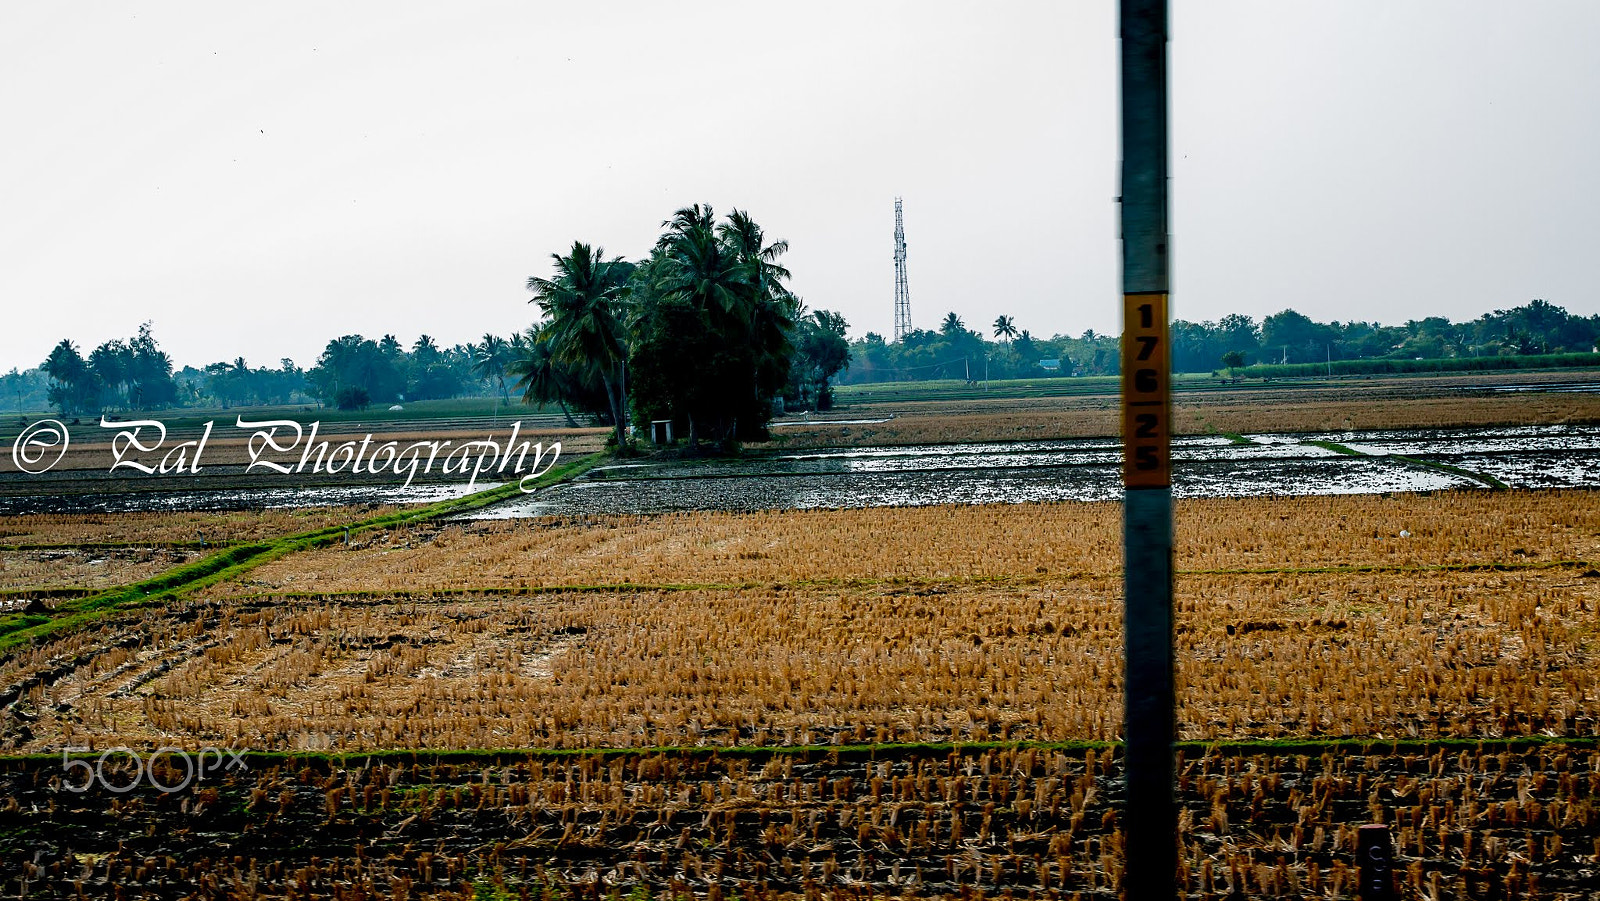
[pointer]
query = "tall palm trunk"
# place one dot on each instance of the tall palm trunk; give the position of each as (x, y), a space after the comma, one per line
(622, 393)
(611, 401)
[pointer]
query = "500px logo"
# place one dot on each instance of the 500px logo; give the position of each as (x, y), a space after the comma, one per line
(121, 770)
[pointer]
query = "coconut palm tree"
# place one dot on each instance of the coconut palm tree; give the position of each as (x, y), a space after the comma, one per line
(112, 363)
(584, 303)
(696, 268)
(764, 274)
(952, 325)
(537, 374)
(72, 384)
(489, 361)
(695, 264)
(770, 309)
(1005, 328)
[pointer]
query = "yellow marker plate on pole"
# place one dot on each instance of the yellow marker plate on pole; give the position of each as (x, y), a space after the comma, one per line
(1146, 392)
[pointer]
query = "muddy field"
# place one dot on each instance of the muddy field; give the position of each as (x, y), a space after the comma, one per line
(1469, 822)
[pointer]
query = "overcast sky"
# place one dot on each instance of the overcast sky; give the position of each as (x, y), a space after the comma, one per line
(259, 178)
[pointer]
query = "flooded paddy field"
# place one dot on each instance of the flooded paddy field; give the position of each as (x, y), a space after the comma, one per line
(1544, 456)
(1330, 474)
(1085, 469)
(1523, 457)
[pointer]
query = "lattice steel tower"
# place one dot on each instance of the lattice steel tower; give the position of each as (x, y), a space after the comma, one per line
(902, 294)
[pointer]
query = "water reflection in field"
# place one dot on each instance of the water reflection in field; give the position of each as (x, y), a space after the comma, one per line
(1088, 469)
(1206, 466)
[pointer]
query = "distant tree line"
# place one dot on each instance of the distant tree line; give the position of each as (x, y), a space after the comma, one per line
(1535, 328)
(21, 390)
(1385, 365)
(236, 384)
(955, 352)
(702, 332)
(707, 311)
(354, 371)
(351, 373)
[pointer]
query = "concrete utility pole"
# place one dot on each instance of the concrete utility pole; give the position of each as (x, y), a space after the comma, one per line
(1150, 722)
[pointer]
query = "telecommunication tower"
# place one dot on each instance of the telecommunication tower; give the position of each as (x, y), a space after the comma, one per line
(902, 294)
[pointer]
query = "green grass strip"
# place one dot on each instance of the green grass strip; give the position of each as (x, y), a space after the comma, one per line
(47, 591)
(232, 562)
(1233, 437)
(1335, 447)
(1489, 480)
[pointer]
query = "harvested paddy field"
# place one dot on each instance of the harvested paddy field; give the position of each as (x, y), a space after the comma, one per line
(1450, 615)
(1438, 654)
(778, 690)
(30, 573)
(1007, 542)
(56, 555)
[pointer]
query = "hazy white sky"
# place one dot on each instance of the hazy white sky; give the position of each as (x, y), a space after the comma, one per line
(259, 178)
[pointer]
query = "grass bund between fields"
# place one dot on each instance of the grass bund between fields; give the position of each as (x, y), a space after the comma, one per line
(911, 702)
(235, 559)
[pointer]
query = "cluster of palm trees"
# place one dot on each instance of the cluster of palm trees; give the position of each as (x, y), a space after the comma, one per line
(354, 371)
(131, 374)
(700, 332)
